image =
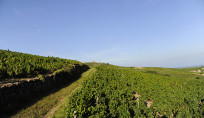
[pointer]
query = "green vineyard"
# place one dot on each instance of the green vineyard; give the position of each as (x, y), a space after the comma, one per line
(110, 91)
(14, 64)
(126, 92)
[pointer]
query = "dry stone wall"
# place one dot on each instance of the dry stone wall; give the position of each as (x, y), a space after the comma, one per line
(12, 92)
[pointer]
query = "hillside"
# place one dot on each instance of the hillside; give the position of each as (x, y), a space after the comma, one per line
(54, 87)
(26, 78)
(138, 92)
(15, 64)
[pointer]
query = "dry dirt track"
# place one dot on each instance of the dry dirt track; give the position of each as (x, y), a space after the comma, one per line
(47, 106)
(86, 75)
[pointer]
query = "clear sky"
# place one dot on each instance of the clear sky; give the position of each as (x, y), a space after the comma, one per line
(167, 33)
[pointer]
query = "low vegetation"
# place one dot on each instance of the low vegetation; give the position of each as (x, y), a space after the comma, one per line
(109, 91)
(125, 92)
(15, 64)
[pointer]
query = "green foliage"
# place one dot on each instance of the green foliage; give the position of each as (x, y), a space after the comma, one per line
(14, 64)
(95, 64)
(41, 78)
(110, 92)
(154, 72)
(197, 77)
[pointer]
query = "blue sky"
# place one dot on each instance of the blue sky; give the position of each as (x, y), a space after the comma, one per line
(166, 33)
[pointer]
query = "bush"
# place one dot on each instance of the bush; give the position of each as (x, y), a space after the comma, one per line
(41, 78)
(197, 77)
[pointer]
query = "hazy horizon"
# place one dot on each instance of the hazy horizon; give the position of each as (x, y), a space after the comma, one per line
(149, 33)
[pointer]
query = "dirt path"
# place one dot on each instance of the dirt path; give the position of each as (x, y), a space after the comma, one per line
(52, 111)
(47, 106)
(86, 75)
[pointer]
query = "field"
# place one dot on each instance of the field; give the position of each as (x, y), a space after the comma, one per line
(131, 92)
(15, 64)
(107, 90)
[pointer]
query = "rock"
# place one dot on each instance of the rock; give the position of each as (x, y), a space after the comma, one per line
(194, 71)
(199, 71)
(138, 67)
(148, 103)
(137, 97)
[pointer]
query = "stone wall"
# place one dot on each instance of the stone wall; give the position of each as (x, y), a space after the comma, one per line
(12, 92)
